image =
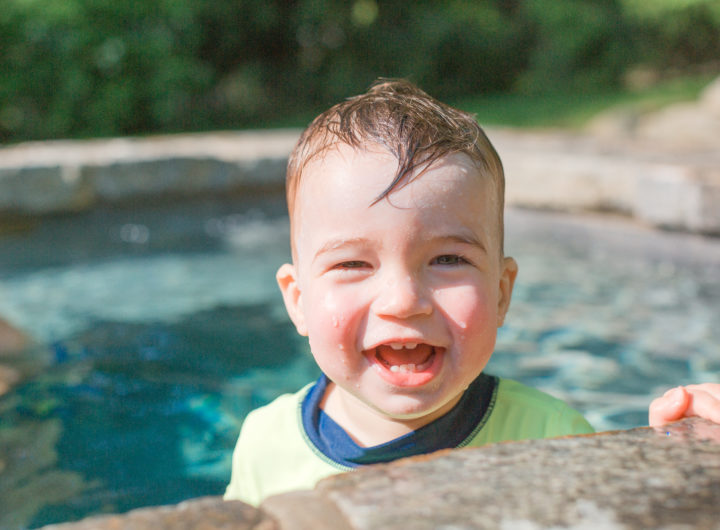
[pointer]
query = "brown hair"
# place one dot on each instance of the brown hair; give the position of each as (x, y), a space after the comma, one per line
(416, 128)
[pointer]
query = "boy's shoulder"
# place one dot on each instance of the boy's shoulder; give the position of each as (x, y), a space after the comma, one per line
(519, 394)
(520, 412)
(272, 454)
(280, 415)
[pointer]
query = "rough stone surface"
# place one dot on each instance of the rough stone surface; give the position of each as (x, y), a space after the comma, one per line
(42, 189)
(690, 126)
(305, 510)
(679, 197)
(208, 513)
(12, 340)
(710, 98)
(20, 359)
(686, 124)
(565, 172)
(642, 478)
(27, 478)
(58, 176)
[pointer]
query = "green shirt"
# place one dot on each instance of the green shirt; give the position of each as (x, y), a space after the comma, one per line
(274, 455)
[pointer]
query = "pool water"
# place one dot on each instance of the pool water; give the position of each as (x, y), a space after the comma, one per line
(159, 327)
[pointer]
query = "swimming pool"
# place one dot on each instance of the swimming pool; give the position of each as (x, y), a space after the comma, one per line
(160, 327)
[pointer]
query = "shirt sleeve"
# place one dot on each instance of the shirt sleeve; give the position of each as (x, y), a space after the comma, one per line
(243, 484)
(568, 422)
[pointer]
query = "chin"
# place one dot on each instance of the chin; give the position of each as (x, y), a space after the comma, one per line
(408, 408)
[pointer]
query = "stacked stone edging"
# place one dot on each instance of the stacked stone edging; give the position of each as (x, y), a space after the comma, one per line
(641, 478)
(651, 182)
(48, 177)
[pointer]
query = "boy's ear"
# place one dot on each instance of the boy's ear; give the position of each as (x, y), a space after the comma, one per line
(507, 281)
(288, 282)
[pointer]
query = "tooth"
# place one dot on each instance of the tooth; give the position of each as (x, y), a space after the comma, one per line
(394, 368)
(411, 345)
(396, 346)
(411, 367)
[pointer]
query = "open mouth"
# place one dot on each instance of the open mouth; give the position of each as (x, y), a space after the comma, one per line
(407, 364)
(405, 358)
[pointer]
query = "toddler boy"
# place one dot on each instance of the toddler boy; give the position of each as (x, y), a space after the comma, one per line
(399, 281)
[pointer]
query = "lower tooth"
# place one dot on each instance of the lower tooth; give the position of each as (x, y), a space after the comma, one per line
(404, 368)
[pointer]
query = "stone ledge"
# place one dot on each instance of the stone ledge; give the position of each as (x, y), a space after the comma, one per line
(641, 478)
(39, 178)
(679, 197)
(636, 479)
(653, 183)
(205, 513)
(549, 170)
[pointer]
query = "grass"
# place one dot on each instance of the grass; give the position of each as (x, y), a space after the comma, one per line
(576, 109)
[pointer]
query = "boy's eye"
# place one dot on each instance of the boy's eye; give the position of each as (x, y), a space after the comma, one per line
(449, 259)
(356, 264)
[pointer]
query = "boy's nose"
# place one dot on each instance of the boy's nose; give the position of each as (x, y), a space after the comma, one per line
(402, 297)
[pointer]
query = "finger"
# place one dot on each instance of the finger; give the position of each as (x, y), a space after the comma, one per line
(669, 407)
(704, 404)
(711, 388)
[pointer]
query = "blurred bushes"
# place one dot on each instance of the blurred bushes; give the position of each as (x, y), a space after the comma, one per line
(101, 67)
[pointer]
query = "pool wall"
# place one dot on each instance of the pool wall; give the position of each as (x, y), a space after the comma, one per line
(673, 186)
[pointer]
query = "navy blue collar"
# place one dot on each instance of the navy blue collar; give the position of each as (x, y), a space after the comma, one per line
(446, 432)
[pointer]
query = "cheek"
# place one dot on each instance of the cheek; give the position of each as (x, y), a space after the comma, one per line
(469, 310)
(332, 319)
(333, 332)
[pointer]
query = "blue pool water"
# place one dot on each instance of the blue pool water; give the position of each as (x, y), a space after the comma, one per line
(160, 327)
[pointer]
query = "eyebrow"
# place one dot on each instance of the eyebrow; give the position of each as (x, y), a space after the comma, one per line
(336, 244)
(464, 239)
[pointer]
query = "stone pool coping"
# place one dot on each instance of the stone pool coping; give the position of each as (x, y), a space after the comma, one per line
(667, 477)
(660, 185)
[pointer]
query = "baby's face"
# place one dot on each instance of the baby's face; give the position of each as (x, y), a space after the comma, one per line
(401, 300)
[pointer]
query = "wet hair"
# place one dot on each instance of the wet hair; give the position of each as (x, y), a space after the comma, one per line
(411, 125)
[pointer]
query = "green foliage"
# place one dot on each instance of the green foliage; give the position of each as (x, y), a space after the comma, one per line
(556, 109)
(101, 67)
(675, 33)
(577, 45)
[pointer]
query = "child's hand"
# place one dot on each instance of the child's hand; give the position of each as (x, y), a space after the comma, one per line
(683, 401)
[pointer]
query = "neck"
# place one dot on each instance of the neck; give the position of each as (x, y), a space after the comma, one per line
(367, 426)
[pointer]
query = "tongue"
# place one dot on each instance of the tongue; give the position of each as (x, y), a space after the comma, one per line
(416, 356)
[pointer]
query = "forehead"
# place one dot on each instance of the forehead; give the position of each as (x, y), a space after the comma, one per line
(340, 191)
(364, 174)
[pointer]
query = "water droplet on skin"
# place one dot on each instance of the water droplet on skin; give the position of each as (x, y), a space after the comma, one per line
(335, 322)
